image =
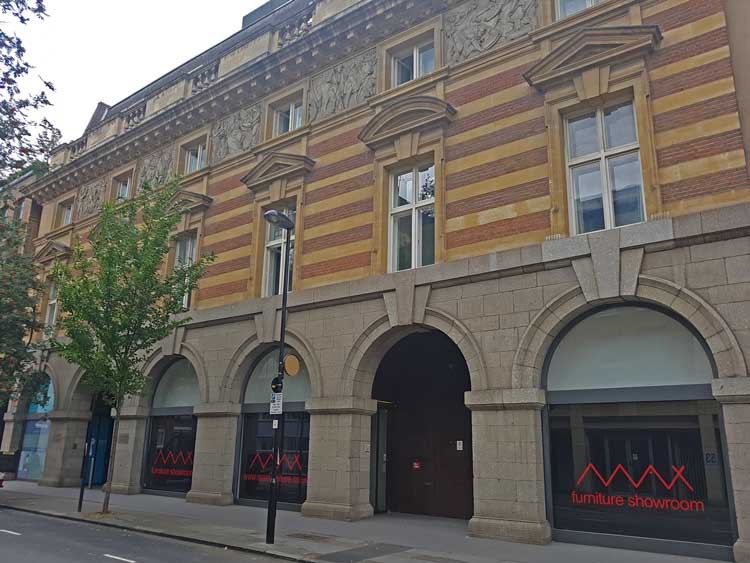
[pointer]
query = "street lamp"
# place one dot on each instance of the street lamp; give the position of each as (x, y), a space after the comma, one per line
(278, 219)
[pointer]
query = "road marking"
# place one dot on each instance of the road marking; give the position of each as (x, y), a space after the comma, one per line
(118, 558)
(10, 532)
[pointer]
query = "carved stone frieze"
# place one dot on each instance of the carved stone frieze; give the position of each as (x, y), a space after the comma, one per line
(477, 26)
(90, 198)
(343, 86)
(157, 166)
(236, 133)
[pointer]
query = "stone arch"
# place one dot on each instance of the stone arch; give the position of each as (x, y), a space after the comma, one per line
(76, 394)
(547, 324)
(372, 345)
(157, 362)
(234, 379)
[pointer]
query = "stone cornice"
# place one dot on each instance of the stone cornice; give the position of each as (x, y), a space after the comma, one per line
(333, 40)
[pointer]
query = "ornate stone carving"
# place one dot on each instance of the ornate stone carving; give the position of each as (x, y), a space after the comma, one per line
(157, 167)
(236, 133)
(480, 25)
(296, 27)
(343, 86)
(91, 197)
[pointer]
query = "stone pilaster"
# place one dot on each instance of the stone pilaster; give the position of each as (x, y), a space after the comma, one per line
(508, 465)
(67, 436)
(129, 444)
(12, 437)
(213, 455)
(734, 396)
(339, 466)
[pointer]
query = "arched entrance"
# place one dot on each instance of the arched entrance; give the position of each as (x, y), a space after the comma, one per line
(99, 439)
(36, 436)
(421, 433)
(635, 450)
(171, 433)
(256, 454)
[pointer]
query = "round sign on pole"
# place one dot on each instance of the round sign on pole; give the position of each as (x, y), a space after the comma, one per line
(291, 365)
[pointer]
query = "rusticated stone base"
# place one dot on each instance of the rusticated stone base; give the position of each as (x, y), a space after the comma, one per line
(538, 533)
(742, 551)
(336, 511)
(216, 499)
(125, 489)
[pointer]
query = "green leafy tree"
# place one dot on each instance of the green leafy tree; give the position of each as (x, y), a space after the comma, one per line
(116, 303)
(18, 124)
(19, 287)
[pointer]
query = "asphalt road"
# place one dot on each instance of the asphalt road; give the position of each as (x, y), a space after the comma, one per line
(31, 538)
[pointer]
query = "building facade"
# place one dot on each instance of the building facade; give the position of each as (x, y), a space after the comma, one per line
(521, 269)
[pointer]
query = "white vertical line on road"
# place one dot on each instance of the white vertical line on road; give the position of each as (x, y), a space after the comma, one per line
(118, 558)
(10, 532)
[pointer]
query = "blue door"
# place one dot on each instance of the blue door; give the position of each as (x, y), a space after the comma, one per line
(99, 439)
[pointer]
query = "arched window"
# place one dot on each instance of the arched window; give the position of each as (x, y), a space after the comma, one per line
(634, 441)
(36, 435)
(169, 458)
(257, 445)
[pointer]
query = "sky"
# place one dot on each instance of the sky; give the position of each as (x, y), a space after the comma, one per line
(98, 50)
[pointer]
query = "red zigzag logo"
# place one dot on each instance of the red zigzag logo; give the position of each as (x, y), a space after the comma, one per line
(650, 470)
(171, 459)
(295, 463)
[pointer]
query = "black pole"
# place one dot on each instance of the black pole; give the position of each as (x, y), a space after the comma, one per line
(83, 475)
(278, 420)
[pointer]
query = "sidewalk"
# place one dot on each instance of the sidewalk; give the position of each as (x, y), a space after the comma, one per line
(382, 539)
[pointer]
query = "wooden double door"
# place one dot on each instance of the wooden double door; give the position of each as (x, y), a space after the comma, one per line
(421, 443)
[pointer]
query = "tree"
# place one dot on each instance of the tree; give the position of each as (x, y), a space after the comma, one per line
(17, 127)
(116, 303)
(19, 287)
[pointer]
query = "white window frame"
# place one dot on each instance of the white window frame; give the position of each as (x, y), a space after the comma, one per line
(191, 241)
(49, 323)
(281, 244)
(195, 152)
(399, 53)
(602, 156)
(65, 213)
(559, 8)
(296, 119)
(120, 182)
(412, 209)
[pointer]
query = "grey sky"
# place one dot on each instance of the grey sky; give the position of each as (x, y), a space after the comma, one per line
(97, 50)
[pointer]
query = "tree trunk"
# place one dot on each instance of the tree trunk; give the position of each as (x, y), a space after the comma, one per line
(111, 468)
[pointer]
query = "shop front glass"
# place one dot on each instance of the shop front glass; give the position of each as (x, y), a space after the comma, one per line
(171, 441)
(35, 438)
(635, 446)
(256, 457)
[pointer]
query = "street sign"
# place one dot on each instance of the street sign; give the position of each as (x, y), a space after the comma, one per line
(277, 402)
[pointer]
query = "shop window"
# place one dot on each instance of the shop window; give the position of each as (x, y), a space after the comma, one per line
(257, 444)
(412, 218)
(287, 115)
(36, 436)
(194, 155)
(121, 186)
(605, 184)
(276, 245)
(567, 8)
(171, 440)
(50, 317)
(64, 214)
(410, 61)
(185, 255)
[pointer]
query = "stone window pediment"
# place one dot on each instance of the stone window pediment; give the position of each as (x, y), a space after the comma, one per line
(416, 113)
(190, 201)
(278, 169)
(591, 51)
(51, 250)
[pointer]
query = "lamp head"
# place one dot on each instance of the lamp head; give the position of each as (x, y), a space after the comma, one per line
(279, 219)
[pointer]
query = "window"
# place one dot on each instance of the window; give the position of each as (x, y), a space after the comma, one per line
(413, 61)
(122, 187)
(605, 185)
(195, 155)
(51, 317)
(19, 209)
(567, 8)
(185, 256)
(413, 218)
(276, 243)
(287, 116)
(64, 213)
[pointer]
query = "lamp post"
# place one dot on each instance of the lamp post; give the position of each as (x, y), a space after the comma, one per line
(277, 218)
